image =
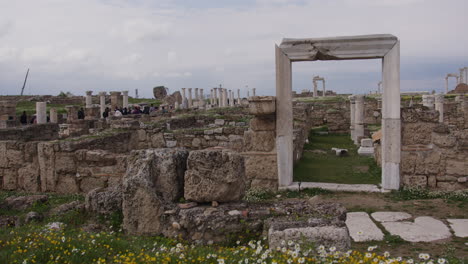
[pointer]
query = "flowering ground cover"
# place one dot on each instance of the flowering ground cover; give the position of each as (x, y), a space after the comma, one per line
(64, 238)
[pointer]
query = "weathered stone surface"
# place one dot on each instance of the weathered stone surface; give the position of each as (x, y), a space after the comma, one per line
(89, 183)
(455, 167)
(418, 231)
(214, 175)
(159, 92)
(29, 177)
(157, 140)
(263, 123)
(444, 140)
(154, 179)
(361, 228)
(104, 201)
(64, 208)
(459, 227)
(262, 105)
(33, 217)
(264, 141)
(23, 202)
(415, 180)
(67, 184)
(390, 216)
(417, 133)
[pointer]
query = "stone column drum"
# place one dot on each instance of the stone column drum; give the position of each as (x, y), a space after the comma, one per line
(125, 99)
(115, 100)
(253, 92)
(359, 119)
(89, 99)
(215, 96)
(53, 115)
(352, 107)
(41, 113)
(439, 106)
(102, 102)
(238, 97)
(190, 98)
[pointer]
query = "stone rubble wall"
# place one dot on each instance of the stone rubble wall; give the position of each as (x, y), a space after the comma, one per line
(434, 154)
(37, 132)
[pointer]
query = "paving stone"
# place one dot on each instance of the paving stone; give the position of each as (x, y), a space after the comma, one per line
(424, 229)
(361, 228)
(390, 216)
(459, 226)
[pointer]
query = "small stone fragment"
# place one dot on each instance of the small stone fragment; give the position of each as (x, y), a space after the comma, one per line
(187, 205)
(214, 204)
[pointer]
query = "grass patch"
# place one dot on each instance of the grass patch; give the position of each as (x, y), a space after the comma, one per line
(30, 108)
(320, 164)
(148, 101)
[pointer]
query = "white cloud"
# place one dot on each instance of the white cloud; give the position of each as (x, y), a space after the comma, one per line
(136, 30)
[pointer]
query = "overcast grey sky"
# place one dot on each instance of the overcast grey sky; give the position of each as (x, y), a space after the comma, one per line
(106, 45)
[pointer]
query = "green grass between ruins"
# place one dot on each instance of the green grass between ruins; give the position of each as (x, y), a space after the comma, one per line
(30, 107)
(320, 164)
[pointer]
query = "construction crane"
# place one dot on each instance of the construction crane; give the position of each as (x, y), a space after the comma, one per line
(24, 84)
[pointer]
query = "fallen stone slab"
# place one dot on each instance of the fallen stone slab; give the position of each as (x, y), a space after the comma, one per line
(361, 228)
(366, 151)
(333, 187)
(23, 202)
(424, 229)
(390, 216)
(459, 226)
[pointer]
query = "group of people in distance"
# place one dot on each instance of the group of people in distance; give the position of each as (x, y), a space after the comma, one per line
(118, 111)
(136, 109)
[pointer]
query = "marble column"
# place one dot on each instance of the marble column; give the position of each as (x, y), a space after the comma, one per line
(225, 97)
(102, 102)
(284, 118)
(248, 94)
(315, 88)
(197, 98)
(391, 122)
(324, 91)
(176, 105)
(215, 97)
(439, 106)
(238, 97)
(125, 99)
(202, 96)
(231, 98)
(53, 115)
(190, 103)
(89, 99)
(446, 84)
(379, 87)
(352, 107)
(253, 91)
(183, 98)
(358, 119)
(41, 112)
(220, 97)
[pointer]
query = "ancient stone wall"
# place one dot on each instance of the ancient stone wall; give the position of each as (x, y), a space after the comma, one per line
(37, 132)
(433, 154)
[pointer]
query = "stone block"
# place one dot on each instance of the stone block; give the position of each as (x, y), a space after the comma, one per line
(366, 151)
(444, 140)
(361, 228)
(263, 123)
(208, 132)
(262, 105)
(264, 184)
(141, 135)
(417, 231)
(10, 179)
(65, 162)
(450, 186)
(104, 201)
(89, 183)
(157, 140)
(218, 130)
(29, 178)
(455, 167)
(171, 143)
(154, 179)
(264, 141)
(219, 122)
(67, 184)
(366, 142)
(429, 162)
(260, 166)
(214, 175)
(415, 180)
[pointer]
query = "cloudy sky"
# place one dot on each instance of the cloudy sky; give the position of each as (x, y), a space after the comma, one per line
(107, 45)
